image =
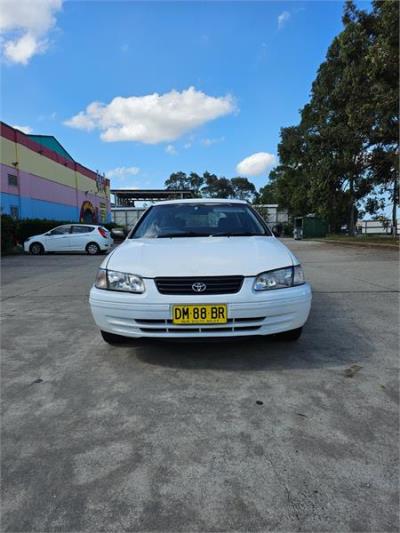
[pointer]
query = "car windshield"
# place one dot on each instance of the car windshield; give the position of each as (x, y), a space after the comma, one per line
(199, 220)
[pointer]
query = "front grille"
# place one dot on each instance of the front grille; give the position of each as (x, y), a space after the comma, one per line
(214, 285)
(164, 327)
(203, 329)
(167, 326)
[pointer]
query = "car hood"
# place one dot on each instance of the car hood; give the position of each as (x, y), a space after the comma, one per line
(200, 256)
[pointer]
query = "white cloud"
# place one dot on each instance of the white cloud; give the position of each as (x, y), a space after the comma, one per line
(282, 19)
(24, 25)
(256, 164)
(187, 145)
(152, 118)
(122, 172)
(209, 142)
(24, 129)
(170, 149)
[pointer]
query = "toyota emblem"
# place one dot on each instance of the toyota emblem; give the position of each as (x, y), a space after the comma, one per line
(199, 286)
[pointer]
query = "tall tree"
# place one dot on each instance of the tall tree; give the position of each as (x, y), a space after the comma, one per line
(217, 187)
(178, 180)
(224, 188)
(332, 119)
(383, 76)
(267, 194)
(210, 188)
(243, 189)
(346, 145)
(196, 182)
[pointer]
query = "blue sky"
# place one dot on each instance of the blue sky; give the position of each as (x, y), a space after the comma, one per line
(250, 66)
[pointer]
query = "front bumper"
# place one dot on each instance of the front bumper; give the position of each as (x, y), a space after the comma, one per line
(249, 312)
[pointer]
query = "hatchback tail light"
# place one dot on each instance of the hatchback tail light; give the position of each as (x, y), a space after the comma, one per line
(103, 232)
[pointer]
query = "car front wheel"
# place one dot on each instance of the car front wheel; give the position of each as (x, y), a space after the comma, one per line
(36, 248)
(92, 248)
(113, 339)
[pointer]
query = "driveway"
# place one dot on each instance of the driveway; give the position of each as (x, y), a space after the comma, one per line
(250, 435)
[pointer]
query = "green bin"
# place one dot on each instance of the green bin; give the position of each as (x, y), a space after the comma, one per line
(309, 227)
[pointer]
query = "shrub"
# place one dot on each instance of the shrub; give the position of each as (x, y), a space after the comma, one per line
(35, 226)
(8, 233)
(110, 225)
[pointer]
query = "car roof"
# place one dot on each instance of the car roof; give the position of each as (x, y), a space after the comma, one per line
(201, 201)
(79, 224)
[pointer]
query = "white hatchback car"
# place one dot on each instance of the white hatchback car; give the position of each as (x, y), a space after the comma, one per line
(71, 238)
(197, 269)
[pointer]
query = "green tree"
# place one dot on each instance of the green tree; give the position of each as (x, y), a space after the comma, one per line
(383, 77)
(346, 145)
(243, 189)
(178, 180)
(224, 188)
(267, 194)
(196, 182)
(210, 188)
(216, 187)
(336, 142)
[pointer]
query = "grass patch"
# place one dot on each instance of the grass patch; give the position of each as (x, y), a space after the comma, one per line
(364, 239)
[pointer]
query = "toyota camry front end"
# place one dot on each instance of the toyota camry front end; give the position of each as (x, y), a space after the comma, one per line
(197, 269)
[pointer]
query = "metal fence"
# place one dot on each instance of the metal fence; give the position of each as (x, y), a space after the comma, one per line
(128, 216)
(272, 214)
(376, 227)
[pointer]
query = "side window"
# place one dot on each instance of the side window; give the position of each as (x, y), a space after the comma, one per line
(12, 180)
(81, 229)
(61, 230)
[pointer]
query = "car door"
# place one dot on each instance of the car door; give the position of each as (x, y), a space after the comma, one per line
(58, 239)
(80, 236)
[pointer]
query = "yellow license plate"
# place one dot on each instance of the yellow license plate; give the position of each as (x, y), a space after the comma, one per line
(200, 314)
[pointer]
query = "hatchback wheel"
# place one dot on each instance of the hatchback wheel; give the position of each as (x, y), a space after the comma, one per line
(291, 335)
(111, 338)
(36, 248)
(92, 248)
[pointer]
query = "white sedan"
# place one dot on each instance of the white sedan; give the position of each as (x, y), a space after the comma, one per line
(71, 238)
(197, 269)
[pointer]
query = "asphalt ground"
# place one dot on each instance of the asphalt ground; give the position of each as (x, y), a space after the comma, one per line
(249, 435)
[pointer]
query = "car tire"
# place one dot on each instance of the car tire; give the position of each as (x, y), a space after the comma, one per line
(36, 248)
(291, 335)
(92, 248)
(113, 339)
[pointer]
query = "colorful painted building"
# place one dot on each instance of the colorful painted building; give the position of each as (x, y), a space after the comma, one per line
(39, 179)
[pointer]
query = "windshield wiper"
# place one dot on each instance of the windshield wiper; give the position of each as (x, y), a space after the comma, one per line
(236, 234)
(182, 234)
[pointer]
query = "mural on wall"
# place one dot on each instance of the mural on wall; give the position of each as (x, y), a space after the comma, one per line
(103, 212)
(49, 183)
(88, 213)
(101, 182)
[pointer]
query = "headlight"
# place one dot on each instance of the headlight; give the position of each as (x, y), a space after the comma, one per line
(118, 281)
(281, 278)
